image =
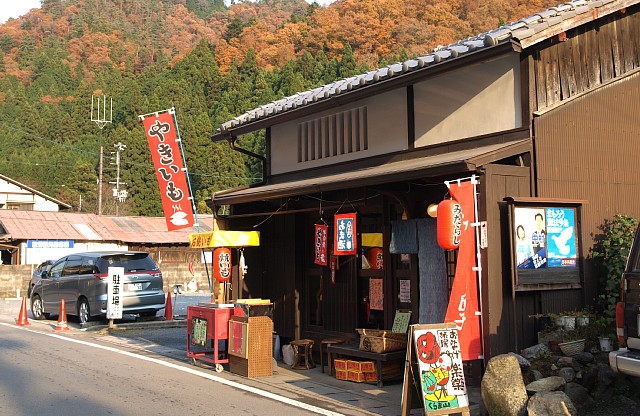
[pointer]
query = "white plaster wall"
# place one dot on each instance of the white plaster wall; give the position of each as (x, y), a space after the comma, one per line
(386, 125)
(468, 102)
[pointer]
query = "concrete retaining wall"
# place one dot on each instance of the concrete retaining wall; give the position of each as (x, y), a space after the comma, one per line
(14, 278)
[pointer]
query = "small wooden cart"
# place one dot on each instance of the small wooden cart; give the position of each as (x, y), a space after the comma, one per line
(207, 325)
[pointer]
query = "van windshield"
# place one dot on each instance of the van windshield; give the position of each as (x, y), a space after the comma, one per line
(130, 262)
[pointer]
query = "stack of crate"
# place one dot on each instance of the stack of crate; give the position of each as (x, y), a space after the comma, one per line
(358, 371)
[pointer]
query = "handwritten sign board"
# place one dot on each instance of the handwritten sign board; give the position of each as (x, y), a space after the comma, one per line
(401, 321)
(376, 298)
(435, 364)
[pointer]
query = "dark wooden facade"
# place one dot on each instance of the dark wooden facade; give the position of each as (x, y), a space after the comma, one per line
(579, 92)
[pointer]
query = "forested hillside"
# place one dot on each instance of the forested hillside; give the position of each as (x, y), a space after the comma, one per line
(209, 61)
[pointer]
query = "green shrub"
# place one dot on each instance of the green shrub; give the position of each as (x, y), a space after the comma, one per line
(610, 252)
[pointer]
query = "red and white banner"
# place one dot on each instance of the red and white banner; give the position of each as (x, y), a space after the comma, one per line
(463, 303)
(170, 171)
(320, 247)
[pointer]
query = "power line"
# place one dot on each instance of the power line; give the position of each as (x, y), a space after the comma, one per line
(76, 149)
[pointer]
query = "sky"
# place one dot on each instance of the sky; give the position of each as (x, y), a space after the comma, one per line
(16, 8)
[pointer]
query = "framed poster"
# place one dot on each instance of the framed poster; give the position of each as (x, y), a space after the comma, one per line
(545, 244)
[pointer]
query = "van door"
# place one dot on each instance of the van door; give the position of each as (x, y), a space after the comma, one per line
(631, 285)
(68, 283)
(50, 290)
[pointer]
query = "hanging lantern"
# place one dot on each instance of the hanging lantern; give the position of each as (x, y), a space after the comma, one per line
(222, 264)
(449, 223)
(375, 258)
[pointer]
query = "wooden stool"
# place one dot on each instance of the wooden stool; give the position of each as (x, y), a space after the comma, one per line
(302, 351)
(328, 342)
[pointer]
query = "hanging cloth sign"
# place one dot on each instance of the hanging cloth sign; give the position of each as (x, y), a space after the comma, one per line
(345, 242)
(463, 303)
(320, 244)
(170, 171)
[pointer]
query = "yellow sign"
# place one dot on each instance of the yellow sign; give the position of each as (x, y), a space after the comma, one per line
(371, 239)
(224, 238)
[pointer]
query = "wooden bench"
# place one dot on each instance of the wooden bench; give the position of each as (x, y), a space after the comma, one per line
(345, 350)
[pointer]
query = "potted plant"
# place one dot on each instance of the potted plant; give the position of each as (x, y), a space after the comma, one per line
(573, 342)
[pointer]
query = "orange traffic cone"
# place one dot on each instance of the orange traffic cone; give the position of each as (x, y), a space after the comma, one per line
(22, 316)
(168, 309)
(62, 319)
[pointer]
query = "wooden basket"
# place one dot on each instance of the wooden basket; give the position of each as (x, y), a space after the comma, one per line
(381, 344)
(381, 333)
(572, 347)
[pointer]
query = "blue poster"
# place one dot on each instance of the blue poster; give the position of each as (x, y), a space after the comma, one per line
(561, 237)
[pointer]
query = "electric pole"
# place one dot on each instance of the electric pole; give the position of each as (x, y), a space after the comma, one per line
(101, 120)
(119, 194)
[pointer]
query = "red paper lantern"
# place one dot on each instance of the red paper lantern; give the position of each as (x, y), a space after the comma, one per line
(449, 224)
(222, 264)
(375, 258)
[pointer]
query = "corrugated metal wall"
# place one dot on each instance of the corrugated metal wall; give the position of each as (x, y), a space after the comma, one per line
(588, 149)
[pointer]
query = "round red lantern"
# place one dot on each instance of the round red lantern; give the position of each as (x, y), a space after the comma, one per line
(222, 264)
(375, 258)
(449, 223)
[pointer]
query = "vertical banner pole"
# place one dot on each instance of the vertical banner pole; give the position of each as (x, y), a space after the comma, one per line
(193, 204)
(474, 181)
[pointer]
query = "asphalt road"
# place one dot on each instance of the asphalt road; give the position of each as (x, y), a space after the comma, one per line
(71, 373)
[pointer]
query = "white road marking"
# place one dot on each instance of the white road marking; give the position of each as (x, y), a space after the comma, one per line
(195, 372)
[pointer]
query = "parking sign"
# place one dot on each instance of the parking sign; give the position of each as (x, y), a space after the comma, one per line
(114, 292)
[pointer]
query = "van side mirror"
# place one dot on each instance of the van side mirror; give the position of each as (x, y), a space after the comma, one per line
(44, 274)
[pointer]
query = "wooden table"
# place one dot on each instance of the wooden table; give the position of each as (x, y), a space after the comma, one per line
(347, 350)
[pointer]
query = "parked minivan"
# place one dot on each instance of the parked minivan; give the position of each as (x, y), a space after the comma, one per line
(81, 280)
(627, 359)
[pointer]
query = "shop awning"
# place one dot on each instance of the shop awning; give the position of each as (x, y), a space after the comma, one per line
(453, 162)
(224, 238)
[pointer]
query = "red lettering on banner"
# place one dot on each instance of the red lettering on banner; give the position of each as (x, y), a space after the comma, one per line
(170, 172)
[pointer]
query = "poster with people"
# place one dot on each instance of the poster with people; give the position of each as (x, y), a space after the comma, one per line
(530, 238)
(545, 237)
(561, 237)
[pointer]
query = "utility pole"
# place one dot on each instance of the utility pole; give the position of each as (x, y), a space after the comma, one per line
(101, 120)
(118, 194)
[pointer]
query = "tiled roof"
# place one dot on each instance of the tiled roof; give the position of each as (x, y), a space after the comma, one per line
(526, 32)
(36, 225)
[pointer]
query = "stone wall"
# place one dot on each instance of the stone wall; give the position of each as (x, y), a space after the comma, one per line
(14, 278)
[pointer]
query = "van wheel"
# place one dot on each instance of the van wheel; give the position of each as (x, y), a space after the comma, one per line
(37, 308)
(84, 315)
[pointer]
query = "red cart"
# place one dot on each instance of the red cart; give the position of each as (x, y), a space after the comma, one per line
(207, 324)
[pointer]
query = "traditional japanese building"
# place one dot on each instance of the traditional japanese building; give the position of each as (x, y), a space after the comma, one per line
(540, 112)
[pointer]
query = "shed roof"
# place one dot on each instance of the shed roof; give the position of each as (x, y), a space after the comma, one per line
(521, 34)
(36, 225)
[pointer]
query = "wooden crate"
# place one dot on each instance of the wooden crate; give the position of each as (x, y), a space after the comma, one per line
(259, 350)
(361, 366)
(341, 375)
(340, 364)
(356, 376)
(371, 377)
